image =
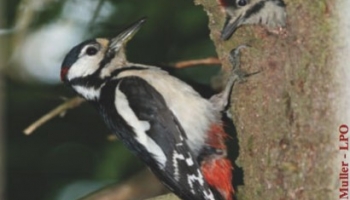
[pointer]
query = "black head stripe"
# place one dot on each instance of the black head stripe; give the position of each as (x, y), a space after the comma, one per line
(254, 10)
(94, 80)
(109, 55)
(87, 81)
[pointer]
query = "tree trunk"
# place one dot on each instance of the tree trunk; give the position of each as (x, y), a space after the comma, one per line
(285, 116)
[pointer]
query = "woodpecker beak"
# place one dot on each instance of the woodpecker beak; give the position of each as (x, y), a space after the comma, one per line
(119, 41)
(231, 26)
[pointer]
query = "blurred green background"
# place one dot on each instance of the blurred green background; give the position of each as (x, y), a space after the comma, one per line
(73, 151)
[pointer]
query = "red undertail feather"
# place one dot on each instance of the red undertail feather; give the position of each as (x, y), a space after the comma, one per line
(217, 136)
(218, 174)
(217, 170)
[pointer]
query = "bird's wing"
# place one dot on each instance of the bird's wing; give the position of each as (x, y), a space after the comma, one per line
(156, 135)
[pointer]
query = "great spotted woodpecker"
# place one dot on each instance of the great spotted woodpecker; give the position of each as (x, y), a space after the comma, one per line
(161, 119)
(270, 13)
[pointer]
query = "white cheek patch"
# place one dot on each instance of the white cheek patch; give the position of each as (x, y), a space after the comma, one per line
(84, 66)
(139, 127)
(270, 15)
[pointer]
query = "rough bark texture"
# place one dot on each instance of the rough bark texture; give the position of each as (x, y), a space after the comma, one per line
(284, 115)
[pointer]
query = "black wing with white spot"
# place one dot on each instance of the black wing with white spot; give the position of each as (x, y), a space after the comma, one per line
(154, 134)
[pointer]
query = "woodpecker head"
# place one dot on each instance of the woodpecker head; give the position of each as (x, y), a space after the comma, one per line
(96, 58)
(270, 13)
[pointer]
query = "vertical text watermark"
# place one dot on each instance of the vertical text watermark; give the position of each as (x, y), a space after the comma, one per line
(344, 171)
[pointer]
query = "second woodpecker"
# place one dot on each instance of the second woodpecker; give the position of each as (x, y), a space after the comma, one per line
(270, 13)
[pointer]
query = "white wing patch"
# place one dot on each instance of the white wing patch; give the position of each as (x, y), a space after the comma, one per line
(140, 128)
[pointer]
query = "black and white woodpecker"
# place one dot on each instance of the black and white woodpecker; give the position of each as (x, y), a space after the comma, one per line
(270, 13)
(161, 119)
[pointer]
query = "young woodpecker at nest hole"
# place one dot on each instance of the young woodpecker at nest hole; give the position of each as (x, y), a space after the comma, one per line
(161, 119)
(270, 13)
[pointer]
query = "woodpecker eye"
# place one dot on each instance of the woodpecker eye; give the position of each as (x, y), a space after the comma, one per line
(242, 2)
(91, 51)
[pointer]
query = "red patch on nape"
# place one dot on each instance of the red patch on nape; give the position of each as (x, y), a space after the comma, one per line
(218, 174)
(64, 72)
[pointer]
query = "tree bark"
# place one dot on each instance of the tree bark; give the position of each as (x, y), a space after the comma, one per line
(285, 116)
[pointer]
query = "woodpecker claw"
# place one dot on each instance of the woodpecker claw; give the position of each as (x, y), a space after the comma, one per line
(222, 100)
(235, 56)
(237, 73)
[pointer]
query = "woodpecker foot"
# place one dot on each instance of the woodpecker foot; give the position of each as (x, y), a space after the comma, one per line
(221, 101)
(237, 74)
